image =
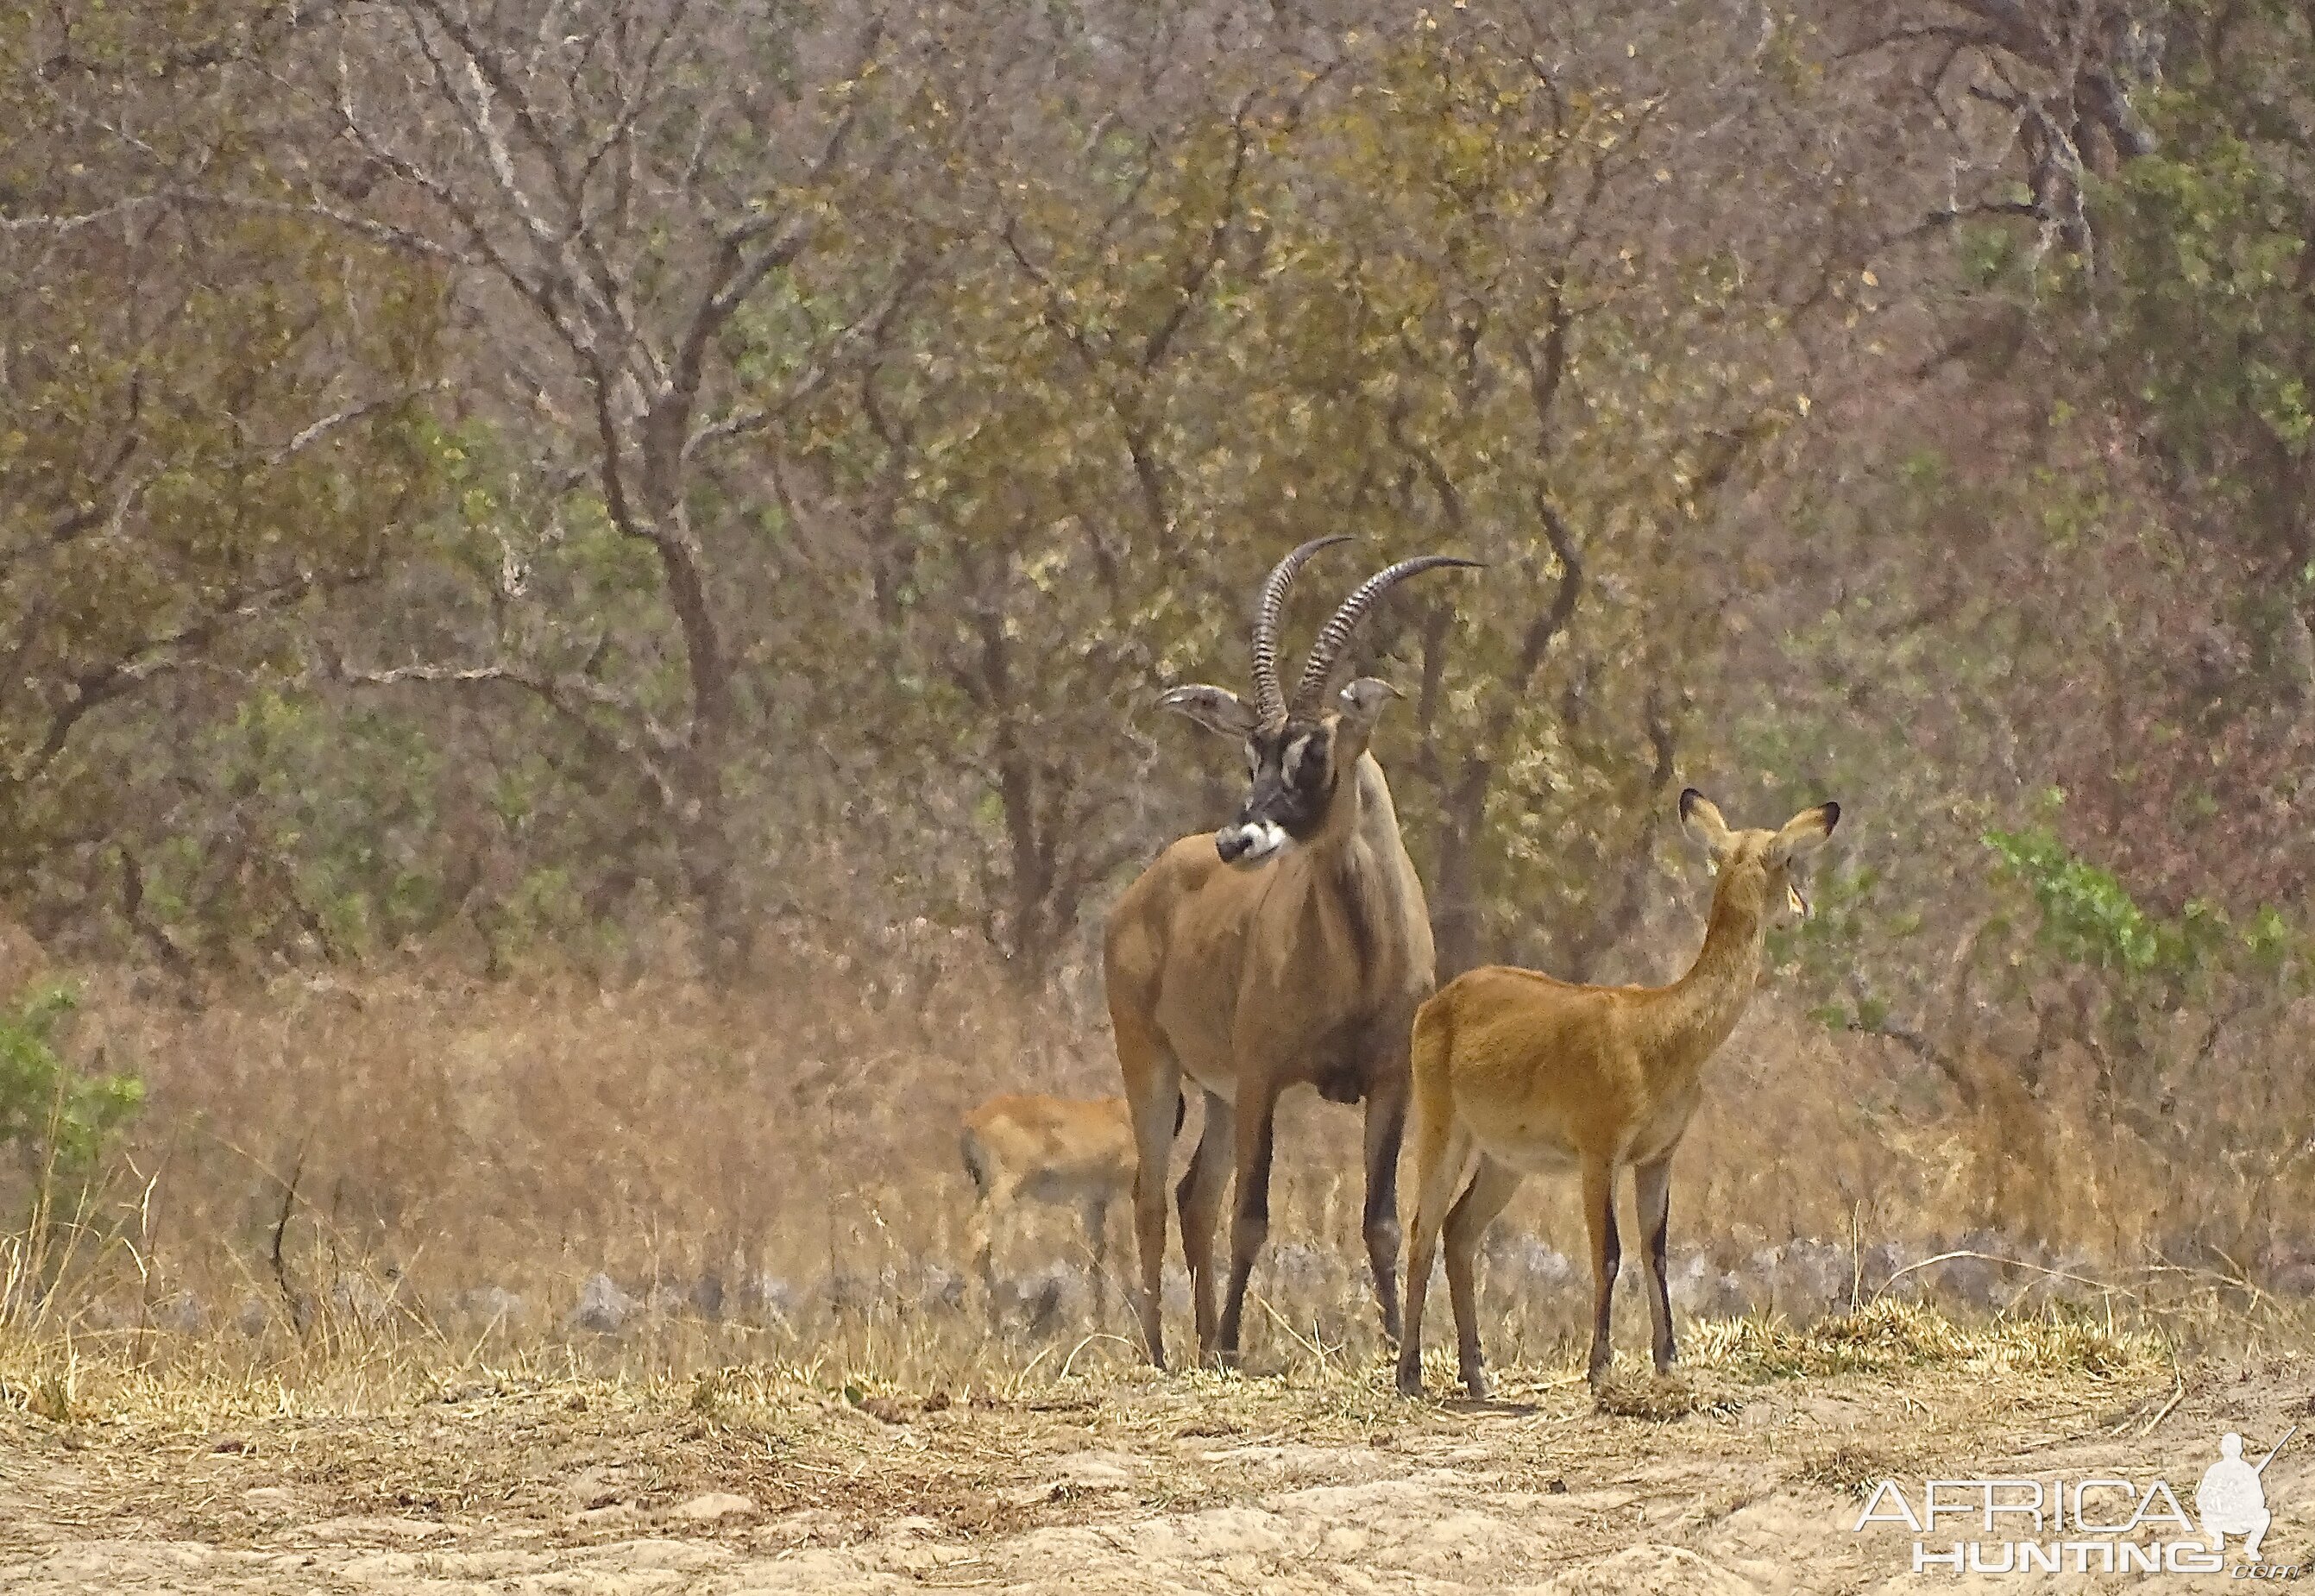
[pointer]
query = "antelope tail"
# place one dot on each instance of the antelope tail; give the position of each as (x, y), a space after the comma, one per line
(1434, 1040)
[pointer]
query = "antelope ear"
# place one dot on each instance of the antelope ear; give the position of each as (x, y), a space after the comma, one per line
(1362, 700)
(1804, 832)
(1702, 818)
(1218, 709)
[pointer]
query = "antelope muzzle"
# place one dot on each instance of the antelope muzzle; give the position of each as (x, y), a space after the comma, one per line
(1293, 773)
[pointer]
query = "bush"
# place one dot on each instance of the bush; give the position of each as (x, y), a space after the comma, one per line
(55, 1116)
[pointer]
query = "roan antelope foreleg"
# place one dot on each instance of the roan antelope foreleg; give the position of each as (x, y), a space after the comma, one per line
(1256, 1131)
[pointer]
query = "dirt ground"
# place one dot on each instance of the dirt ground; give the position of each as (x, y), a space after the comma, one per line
(1129, 1481)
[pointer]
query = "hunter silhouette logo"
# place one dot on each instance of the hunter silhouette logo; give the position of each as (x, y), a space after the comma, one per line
(2103, 1523)
(2230, 1498)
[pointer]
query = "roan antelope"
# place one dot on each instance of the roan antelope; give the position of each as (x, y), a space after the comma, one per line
(1526, 1074)
(1023, 1147)
(1292, 946)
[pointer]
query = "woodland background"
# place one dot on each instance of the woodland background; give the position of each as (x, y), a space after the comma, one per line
(582, 582)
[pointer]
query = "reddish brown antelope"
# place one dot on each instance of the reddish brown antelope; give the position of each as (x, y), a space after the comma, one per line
(1524, 1074)
(1023, 1147)
(1290, 948)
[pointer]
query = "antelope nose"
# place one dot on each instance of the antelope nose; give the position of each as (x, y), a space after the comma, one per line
(1249, 842)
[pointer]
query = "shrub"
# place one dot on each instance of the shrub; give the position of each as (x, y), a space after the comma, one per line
(53, 1116)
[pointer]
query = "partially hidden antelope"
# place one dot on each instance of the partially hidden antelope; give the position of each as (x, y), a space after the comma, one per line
(1290, 948)
(1024, 1148)
(1516, 1073)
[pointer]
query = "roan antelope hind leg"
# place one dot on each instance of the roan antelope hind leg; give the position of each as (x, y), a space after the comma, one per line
(1466, 1225)
(1257, 1124)
(1153, 1091)
(1386, 1127)
(1200, 1198)
(1654, 1185)
(1607, 1255)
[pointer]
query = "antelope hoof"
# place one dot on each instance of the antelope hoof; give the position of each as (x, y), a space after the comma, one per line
(1666, 1356)
(1596, 1376)
(1474, 1381)
(1410, 1377)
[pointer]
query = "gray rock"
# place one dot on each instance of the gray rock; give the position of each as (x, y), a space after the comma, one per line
(936, 1286)
(847, 1291)
(493, 1305)
(772, 1295)
(2294, 1279)
(1882, 1261)
(1300, 1269)
(1696, 1285)
(1174, 1289)
(1971, 1282)
(1033, 1301)
(2072, 1277)
(1812, 1279)
(708, 1294)
(1524, 1265)
(602, 1308)
(361, 1300)
(182, 1313)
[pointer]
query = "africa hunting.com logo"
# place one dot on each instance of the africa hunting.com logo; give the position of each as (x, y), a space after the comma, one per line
(2104, 1524)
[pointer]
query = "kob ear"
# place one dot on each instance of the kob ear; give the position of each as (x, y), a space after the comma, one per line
(1702, 818)
(1218, 709)
(1362, 700)
(1804, 831)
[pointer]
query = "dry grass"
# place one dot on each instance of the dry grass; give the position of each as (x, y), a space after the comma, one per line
(201, 1471)
(324, 1305)
(1885, 1337)
(1322, 1400)
(358, 1186)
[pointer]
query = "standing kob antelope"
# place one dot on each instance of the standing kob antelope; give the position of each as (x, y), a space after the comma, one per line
(1525, 1074)
(1292, 946)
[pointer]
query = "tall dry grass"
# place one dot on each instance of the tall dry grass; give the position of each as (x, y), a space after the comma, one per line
(357, 1178)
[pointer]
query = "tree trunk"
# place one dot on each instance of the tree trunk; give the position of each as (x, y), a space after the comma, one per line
(1455, 891)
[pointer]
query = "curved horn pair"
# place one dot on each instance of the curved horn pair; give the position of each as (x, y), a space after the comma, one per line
(1269, 702)
(1318, 670)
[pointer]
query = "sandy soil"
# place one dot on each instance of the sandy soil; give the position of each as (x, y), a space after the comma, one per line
(1137, 1483)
